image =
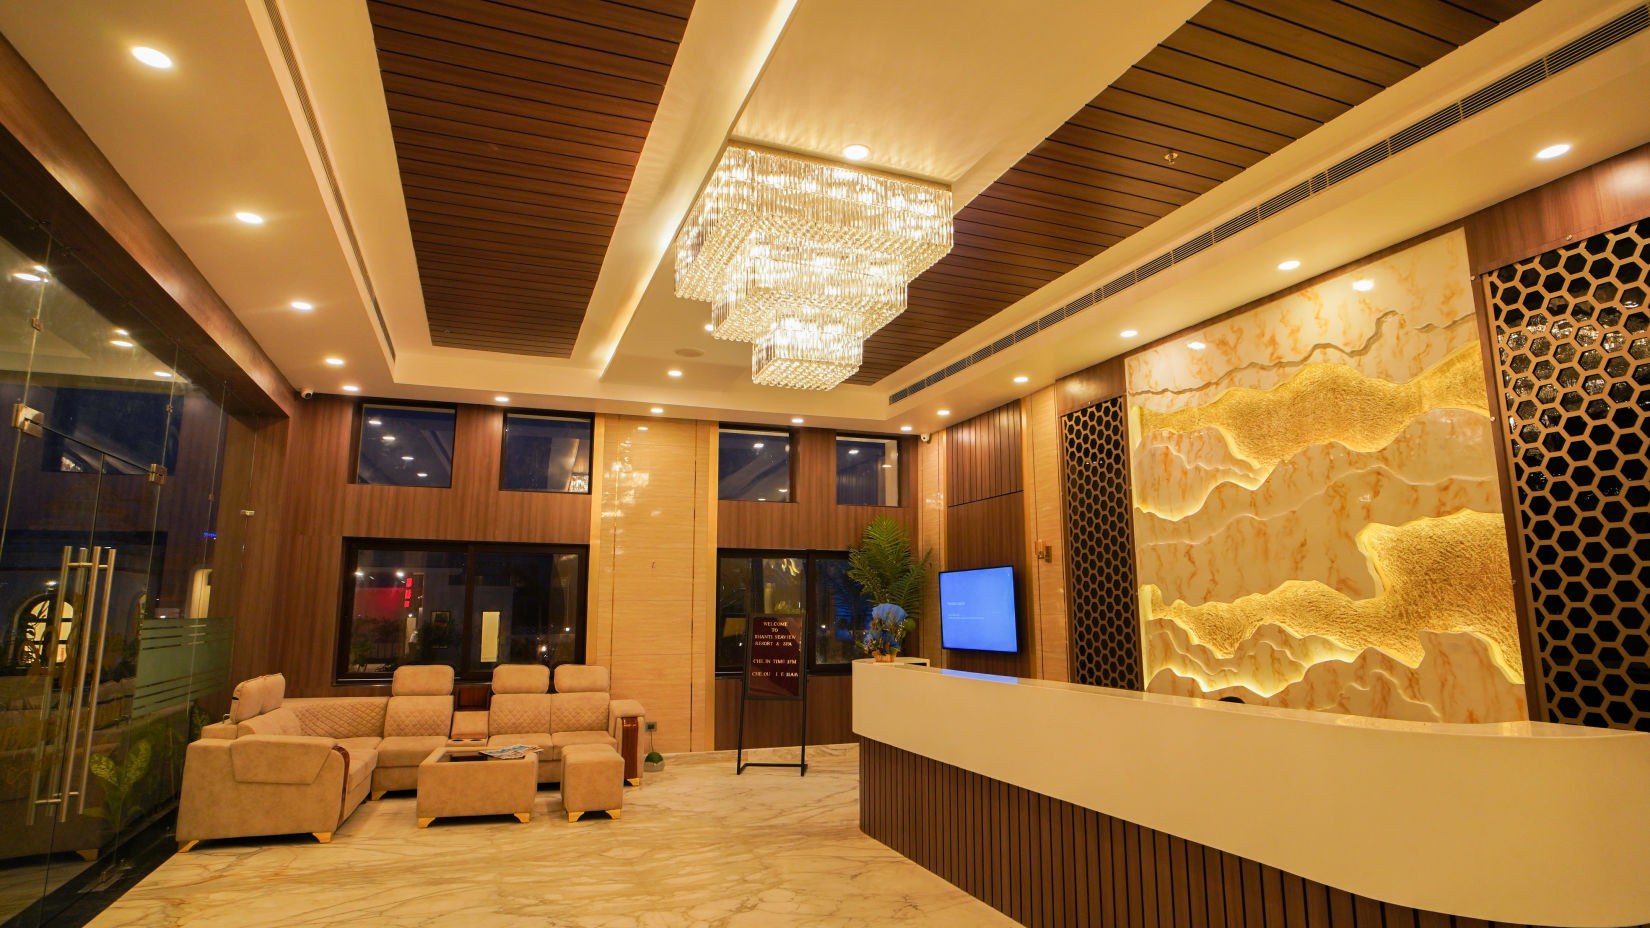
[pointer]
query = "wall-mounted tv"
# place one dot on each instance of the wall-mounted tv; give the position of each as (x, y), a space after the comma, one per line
(977, 610)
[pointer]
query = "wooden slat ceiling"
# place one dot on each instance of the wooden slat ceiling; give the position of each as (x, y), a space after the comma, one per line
(517, 127)
(1239, 81)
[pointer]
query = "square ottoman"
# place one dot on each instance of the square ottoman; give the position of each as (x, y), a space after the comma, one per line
(463, 782)
(592, 780)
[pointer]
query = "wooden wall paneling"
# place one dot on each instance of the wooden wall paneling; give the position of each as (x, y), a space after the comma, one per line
(775, 724)
(50, 167)
(1090, 385)
(812, 520)
(983, 456)
(1594, 199)
(1045, 525)
(991, 533)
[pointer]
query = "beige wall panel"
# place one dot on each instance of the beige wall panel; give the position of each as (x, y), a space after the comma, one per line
(1044, 501)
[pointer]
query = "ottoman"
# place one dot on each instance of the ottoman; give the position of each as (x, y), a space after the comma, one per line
(463, 782)
(592, 780)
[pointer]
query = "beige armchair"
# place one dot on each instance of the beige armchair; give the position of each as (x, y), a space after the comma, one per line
(523, 711)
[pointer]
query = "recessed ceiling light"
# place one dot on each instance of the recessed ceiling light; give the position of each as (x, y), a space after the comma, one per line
(888, 466)
(1363, 286)
(375, 421)
(351, 388)
(945, 412)
(251, 219)
(1128, 333)
(41, 268)
(122, 332)
(30, 278)
(406, 457)
(641, 428)
(1196, 346)
(761, 499)
(302, 305)
(905, 428)
(853, 450)
(784, 490)
(120, 343)
(1022, 379)
(163, 373)
(389, 438)
(1552, 151)
(757, 446)
(657, 410)
(501, 399)
(151, 57)
(796, 420)
(335, 362)
(856, 152)
(1289, 265)
(709, 327)
(674, 373)
(422, 474)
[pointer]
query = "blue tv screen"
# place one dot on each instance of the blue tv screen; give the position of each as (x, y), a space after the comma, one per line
(977, 610)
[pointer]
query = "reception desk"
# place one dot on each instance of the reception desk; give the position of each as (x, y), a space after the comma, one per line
(1067, 804)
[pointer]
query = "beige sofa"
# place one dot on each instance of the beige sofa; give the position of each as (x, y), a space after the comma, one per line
(580, 711)
(289, 766)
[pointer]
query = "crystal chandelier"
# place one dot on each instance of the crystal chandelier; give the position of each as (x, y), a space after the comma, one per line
(806, 259)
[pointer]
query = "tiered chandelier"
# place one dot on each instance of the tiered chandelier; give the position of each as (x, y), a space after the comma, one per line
(805, 259)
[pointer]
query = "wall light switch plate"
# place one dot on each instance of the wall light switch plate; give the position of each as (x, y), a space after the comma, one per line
(652, 726)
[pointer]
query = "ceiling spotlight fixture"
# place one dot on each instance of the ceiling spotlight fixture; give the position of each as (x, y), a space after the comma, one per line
(335, 362)
(406, 457)
(945, 412)
(674, 373)
(1553, 151)
(1363, 286)
(375, 421)
(710, 327)
(122, 333)
(501, 399)
(1022, 379)
(657, 410)
(856, 152)
(351, 388)
(757, 446)
(641, 428)
(154, 59)
(853, 450)
(251, 219)
(389, 438)
(27, 277)
(1128, 333)
(422, 474)
(302, 305)
(905, 428)
(163, 374)
(1196, 346)
(1289, 265)
(805, 259)
(120, 343)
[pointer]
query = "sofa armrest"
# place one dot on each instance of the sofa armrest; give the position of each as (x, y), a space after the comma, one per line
(225, 730)
(623, 709)
(215, 803)
(288, 759)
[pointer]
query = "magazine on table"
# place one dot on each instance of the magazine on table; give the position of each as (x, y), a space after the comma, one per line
(511, 751)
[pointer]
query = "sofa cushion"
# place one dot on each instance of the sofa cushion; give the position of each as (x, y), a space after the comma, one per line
(407, 751)
(360, 744)
(418, 715)
(361, 764)
(519, 712)
(422, 680)
(521, 678)
(274, 691)
(341, 716)
(282, 721)
(248, 700)
(566, 739)
(582, 678)
(578, 712)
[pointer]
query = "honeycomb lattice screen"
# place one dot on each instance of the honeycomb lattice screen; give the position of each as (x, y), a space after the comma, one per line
(1101, 594)
(1574, 359)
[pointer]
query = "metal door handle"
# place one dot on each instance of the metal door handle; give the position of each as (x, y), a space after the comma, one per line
(48, 658)
(72, 735)
(108, 569)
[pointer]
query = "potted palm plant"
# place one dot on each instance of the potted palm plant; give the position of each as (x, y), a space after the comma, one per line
(889, 576)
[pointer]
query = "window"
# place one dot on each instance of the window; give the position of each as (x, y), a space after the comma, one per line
(867, 471)
(754, 465)
(406, 446)
(547, 453)
(814, 585)
(470, 607)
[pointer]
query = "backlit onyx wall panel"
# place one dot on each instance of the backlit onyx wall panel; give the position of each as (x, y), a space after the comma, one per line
(1573, 348)
(1100, 576)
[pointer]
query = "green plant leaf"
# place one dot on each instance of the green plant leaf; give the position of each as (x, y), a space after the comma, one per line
(102, 767)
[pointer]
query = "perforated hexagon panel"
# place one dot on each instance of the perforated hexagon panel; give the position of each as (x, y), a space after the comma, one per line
(1101, 600)
(1573, 338)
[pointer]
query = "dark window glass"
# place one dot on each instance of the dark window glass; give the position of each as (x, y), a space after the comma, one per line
(406, 446)
(754, 465)
(467, 606)
(786, 583)
(133, 428)
(547, 453)
(867, 471)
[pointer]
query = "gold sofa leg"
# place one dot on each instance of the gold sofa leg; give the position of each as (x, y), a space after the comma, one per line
(634, 781)
(425, 822)
(616, 813)
(524, 817)
(188, 846)
(325, 837)
(574, 816)
(378, 794)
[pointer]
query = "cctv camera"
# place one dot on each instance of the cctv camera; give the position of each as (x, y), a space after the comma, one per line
(307, 393)
(925, 438)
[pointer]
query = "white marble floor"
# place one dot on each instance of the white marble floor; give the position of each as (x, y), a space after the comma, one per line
(697, 847)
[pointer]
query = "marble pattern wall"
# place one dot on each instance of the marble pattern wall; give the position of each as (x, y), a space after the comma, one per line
(1317, 514)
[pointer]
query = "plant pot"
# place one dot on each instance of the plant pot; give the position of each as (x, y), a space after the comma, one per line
(884, 658)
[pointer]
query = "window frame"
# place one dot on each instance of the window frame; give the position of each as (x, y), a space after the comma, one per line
(504, 446)
(812, 589)
(341, 673)
(360, 421)
(791, 439)
(899, 469)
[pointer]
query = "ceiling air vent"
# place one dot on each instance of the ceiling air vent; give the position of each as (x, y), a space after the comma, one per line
(1622, 27)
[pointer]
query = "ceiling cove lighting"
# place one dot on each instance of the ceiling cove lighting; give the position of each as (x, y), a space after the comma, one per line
(154, 59)
(1553, 151)
(302, 306)
(805, 259)
(1289, 265)
(251, 219)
